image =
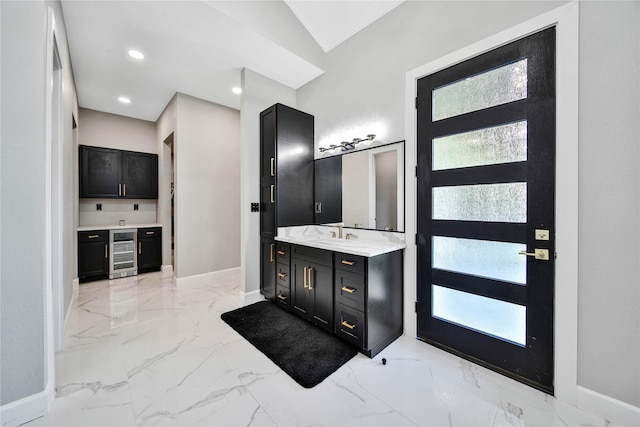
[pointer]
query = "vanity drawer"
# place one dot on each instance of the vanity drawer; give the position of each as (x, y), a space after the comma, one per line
(350, 289)
(283, 253)
(350, 325)
(283, 297)
(282, 274)
(352, 263)
(319, 256)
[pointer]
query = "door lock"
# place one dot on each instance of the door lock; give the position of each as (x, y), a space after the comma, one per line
(541, 254)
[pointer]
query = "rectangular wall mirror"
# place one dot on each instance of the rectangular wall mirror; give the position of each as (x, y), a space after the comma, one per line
(362, 189)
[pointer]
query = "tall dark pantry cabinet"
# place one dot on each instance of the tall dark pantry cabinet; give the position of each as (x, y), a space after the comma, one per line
(286, 182)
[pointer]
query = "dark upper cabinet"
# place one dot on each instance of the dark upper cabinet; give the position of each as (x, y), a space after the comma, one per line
(110, 173)
(93, 255)
(328, 190)
(149, 249)
(286, 167)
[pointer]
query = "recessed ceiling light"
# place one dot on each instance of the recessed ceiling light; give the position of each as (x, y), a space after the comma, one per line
(237, 90)
(124, 100)
(136, 54)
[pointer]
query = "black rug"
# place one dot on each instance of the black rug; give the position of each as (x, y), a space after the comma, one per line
(305, 352)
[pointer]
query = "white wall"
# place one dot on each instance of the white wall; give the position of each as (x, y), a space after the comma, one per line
(207, 187)
(23, 193)
(352, 100)
(258, 94)
(99, 129)
(609, 194)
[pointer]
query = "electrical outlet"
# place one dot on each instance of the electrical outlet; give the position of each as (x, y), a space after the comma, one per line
(98, 206)
(135, 206)
(255, 207)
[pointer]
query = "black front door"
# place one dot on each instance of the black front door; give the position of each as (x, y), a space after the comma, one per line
(486, 238)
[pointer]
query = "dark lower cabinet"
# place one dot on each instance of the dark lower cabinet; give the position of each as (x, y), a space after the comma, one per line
(93, 255)
(149, 249)
(357, 298)
(283, 275)
(312, 285)
(268, 268)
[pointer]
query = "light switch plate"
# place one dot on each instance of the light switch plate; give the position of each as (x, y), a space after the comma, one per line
(542, 234)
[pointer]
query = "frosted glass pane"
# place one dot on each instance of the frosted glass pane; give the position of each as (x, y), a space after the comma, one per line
(499, 319)
(484, 202)
(498, 144)
(484, 258)
(495, 87)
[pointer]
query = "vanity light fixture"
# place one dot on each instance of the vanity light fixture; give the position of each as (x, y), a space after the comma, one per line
(124, 100)
(348, 145)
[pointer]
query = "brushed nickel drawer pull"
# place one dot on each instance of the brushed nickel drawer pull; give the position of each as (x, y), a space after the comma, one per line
(271, 252)
(347, 289)
(282, 253)
(347, 262)
(282, 275)
(282, 297)
(348, 325)
(93, 236)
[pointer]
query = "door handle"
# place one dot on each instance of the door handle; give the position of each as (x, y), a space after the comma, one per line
(273, 166)
(273, 187)
(304, 277)
(310, 272)
(106, 251)
(540, 254)
(124, 190)
(271, 252)
(119, 189)
(282, 275)
(139, 248)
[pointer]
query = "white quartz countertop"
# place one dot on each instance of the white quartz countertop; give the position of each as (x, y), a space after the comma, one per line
(115, 226)
(353, 246)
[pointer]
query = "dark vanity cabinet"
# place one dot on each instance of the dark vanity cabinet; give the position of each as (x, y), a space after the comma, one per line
(368, 300)
(93, 255)
(110, 173)
(149, 249)
(283, 275)
(312, 285)
(286, 180)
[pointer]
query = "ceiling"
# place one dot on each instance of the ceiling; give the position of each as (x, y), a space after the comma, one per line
(199, 47)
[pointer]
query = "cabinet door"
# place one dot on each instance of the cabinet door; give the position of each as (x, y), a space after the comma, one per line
(99, 172)
(139, 175)
(93, 260)
(328, 190)
(149, 249)
(268, 144)
(267, 210)
(321, 283)
(268, 268)
(301, 298)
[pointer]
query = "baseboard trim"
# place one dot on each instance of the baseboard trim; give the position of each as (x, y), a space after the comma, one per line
(251, 297)
(75, 286)
(26, 409)
(613, 410)
(199, 279)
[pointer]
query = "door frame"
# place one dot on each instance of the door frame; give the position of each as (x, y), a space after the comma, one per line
(565, 19)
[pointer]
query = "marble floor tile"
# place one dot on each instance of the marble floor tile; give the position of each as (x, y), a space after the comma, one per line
(141, 351)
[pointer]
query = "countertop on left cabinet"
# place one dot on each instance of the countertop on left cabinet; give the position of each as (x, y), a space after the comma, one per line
(115, 226)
